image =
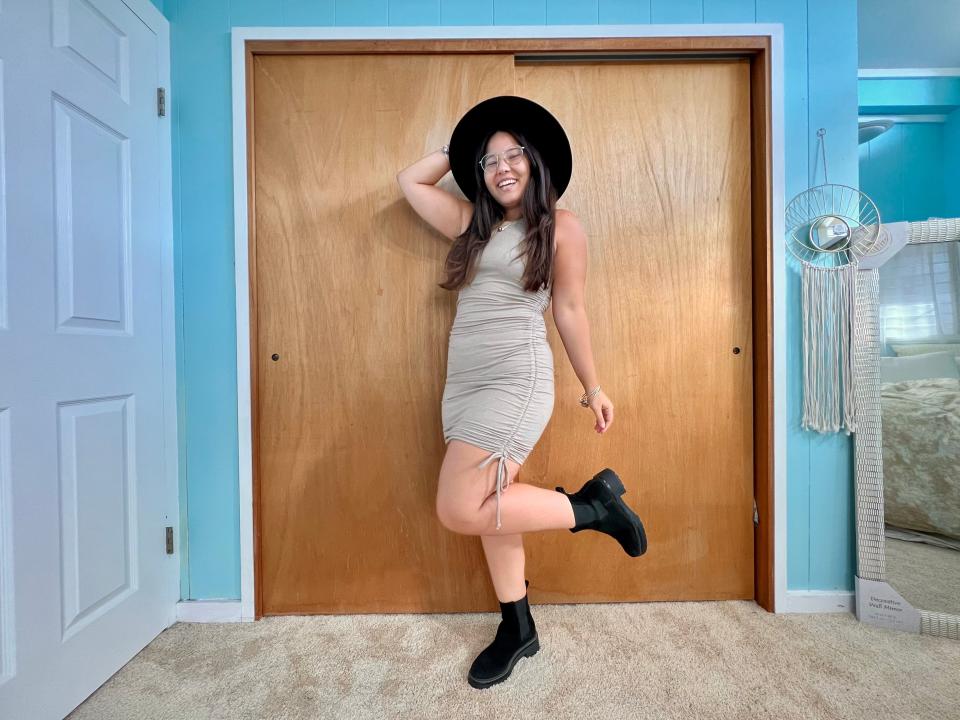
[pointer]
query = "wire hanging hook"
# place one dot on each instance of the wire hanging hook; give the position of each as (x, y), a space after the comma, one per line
(823, 148)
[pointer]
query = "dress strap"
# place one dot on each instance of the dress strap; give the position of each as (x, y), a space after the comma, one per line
(501, 472)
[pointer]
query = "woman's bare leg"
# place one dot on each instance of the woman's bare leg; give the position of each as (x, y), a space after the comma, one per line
(467, 498)
(506, 562)
(525, 508)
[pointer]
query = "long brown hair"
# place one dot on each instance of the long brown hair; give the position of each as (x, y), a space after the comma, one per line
(538, 206)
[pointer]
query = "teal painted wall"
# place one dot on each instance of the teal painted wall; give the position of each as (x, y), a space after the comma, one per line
(931, 95)
(904, 172)
(820, 91)
(912, 171)
(951, 168)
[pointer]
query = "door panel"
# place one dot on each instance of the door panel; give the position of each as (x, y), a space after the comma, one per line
(348, 434)
(661, 184)
(85, 494)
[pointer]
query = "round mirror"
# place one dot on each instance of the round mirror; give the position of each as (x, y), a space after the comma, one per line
(829, 233)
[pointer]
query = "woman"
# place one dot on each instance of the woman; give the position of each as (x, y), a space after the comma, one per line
(512, 251)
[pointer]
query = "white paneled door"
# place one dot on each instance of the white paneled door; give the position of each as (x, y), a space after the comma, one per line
(87, 486)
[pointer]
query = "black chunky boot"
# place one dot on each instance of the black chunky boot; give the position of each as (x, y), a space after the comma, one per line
(516, 638)
(598, 506)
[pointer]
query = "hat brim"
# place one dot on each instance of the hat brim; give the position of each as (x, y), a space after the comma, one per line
(527, 117)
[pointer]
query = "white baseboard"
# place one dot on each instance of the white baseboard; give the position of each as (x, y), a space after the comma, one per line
(797, 601)
(818, 601)
(219, 611)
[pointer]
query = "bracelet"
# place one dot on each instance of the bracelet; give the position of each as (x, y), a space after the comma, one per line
(445, 150)
(585, 398)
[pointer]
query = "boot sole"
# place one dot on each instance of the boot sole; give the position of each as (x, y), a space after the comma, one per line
(613, 483)
(528, 650)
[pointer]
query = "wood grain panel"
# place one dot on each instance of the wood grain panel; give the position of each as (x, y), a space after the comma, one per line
(762, 232)
(349, 432)
(661, 183)
(348, 439)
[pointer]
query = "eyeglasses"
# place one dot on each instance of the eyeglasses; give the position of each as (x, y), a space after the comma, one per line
(512, 155)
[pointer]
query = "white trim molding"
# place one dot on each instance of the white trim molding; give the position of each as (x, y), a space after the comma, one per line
(907, 72)
(818, 601)
(240, 35)
(209, 611)
(901, 119)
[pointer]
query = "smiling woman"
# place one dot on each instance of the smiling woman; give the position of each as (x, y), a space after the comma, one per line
(512, 155)
(499, 391)
(506, 180)
(518, 184)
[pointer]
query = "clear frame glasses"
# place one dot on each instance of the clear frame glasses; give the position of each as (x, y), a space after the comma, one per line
(512, 155)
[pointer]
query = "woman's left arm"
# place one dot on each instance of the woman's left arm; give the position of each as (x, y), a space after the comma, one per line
(569, 311)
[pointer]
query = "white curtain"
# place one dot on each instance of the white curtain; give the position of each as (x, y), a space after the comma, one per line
(920, 294)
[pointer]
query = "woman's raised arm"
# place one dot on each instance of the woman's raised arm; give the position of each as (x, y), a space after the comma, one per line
(447, 213)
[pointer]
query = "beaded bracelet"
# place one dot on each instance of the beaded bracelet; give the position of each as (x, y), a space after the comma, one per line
(585, 398)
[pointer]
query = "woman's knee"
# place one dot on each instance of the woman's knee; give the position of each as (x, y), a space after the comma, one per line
(458, 517)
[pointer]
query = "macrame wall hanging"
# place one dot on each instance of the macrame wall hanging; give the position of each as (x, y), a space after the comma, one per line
(828, 229)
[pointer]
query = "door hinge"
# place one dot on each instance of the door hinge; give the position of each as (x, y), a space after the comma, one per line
(161, 101)
(169, 540)
(756, 516)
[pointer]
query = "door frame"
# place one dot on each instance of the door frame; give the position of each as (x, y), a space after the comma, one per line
(761, 43)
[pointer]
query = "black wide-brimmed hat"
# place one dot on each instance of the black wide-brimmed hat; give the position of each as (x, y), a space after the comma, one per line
(506, 112)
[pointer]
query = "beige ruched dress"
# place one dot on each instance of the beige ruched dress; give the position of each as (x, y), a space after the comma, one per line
(499, 391)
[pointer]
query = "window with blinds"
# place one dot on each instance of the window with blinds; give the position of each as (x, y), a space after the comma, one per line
(920, 294)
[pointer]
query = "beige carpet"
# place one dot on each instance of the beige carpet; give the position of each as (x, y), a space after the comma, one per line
(686, 660)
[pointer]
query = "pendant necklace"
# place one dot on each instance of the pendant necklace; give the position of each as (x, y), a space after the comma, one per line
(499, 229)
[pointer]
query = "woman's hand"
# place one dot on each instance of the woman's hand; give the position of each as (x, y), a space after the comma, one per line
(603, 409)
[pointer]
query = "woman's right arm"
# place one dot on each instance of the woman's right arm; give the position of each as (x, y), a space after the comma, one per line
(447, 213)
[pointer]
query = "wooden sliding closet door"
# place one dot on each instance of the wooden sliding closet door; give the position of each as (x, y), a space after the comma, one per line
(349, 434)
(661, 184)
(351, 331)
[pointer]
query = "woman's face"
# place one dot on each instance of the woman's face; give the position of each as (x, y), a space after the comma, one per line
(498, 178)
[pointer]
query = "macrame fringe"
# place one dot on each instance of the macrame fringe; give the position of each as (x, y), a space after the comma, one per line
(829, 311)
